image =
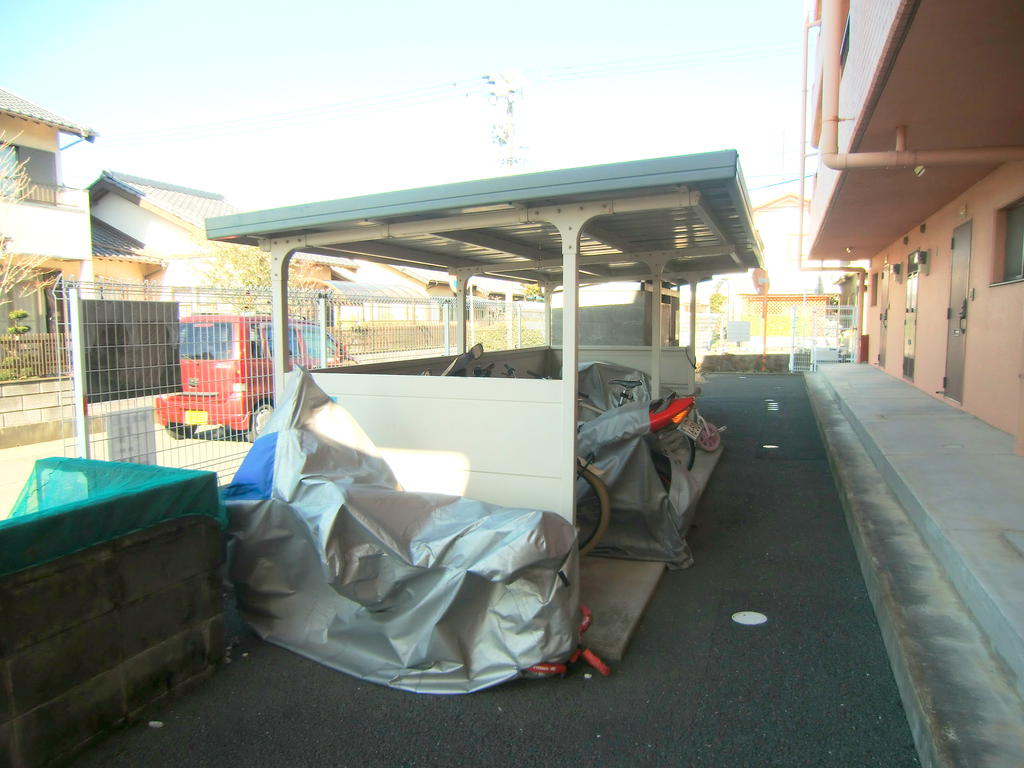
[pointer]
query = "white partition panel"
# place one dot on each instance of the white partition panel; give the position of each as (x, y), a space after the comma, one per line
(676, 368)
(492, 439)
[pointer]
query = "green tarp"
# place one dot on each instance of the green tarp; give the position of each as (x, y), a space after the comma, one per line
(69, 505)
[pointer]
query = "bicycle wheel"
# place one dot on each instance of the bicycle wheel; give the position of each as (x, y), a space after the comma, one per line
(591, 533)
(710, 438)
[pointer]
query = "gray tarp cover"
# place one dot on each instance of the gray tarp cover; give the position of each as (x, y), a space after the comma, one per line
(648, 522)
(423, 592)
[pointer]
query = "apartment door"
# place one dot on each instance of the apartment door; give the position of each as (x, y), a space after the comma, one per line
(956, 313)
(910, 324)
(883, 311)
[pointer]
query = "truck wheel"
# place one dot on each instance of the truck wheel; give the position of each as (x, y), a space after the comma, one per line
(257, 420)
(181, 431)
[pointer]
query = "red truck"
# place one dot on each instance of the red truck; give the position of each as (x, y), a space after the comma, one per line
(227, 372)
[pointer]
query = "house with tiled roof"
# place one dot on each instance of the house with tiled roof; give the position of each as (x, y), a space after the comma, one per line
(144, 229)
(42, 223)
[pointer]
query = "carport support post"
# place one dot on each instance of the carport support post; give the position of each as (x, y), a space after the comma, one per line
(280, 255)
(461, 285)
(570, 225)
(657, 271)
(548, 289)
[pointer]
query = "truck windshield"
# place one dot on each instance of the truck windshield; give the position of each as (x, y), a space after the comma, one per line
(206, 341)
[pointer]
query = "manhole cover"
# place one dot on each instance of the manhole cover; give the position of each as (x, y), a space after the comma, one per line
(749, 618)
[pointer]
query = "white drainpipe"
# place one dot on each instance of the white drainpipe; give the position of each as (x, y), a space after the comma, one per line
(860, 271)
(831, 42)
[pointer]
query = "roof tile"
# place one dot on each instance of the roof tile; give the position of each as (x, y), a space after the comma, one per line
(15, 105)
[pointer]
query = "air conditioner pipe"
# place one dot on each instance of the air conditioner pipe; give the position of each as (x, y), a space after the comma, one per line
(831, 42)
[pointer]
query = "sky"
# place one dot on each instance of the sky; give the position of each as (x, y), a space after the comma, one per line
(279, 103)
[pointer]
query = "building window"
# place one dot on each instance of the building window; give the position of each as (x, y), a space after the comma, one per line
(1013, 260)
(874, 289)
(9, 183)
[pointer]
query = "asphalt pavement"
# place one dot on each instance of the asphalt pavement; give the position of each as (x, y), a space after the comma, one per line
(811, 687)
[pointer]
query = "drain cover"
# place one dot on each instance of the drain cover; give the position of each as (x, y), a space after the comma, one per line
(749, 618)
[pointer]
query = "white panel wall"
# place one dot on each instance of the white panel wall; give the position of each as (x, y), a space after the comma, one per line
(491, 439)
(676, 369)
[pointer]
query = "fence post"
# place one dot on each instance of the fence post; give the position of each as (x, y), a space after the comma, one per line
(472, 321)
(77, 333)
(322, 313)
(446, 319)
(792, 338)
(519, 325)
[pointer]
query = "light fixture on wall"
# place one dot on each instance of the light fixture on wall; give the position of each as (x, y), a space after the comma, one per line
(897, 272)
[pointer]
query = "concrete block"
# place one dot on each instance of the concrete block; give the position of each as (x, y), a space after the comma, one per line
(44, 671)
(19, 418)
(6, 705)
(73, 590)
(56, 414)
(215, 630)
(43, 400)
(8, 404)
(6, 745)
(152, 560)
(55, 385)
(60, 727)
(204, 596)
(9, 390)
(152, 619)
(155, 672)
(30, 434)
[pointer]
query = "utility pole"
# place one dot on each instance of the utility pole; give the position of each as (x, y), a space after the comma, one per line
(504, 92)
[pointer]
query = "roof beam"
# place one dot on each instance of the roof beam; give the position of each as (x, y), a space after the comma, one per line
(682, 198)
(712, 223)
(389, 253)
(484, 239)
(602, 235)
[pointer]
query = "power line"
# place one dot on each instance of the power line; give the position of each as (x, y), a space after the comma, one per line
(435, 93)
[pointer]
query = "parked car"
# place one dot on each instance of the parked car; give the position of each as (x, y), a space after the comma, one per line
(227, 373)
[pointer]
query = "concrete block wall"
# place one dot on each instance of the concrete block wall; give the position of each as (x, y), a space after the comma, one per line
(94, 640)
(31, 411)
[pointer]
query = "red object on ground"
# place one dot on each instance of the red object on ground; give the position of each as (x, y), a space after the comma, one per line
(548, 669)
(663, 418)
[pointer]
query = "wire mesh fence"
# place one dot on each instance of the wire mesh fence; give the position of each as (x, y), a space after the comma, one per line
(183, 376)
(810, 329)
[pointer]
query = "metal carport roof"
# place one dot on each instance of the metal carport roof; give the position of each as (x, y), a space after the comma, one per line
(689, 214)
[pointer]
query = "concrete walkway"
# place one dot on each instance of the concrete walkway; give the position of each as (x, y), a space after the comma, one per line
(935, 502)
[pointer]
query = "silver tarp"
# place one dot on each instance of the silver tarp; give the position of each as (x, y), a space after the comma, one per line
(423, 592)
(648, 522)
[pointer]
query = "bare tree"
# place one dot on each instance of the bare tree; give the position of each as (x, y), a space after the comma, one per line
(20, 273)
(232, 265)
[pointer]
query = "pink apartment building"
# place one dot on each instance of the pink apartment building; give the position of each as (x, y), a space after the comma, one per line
(918, 115)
